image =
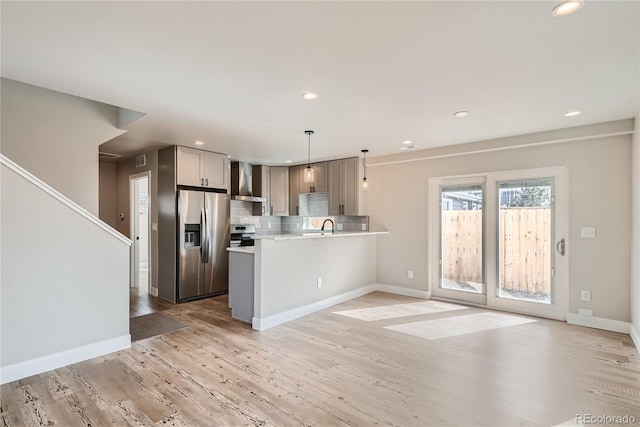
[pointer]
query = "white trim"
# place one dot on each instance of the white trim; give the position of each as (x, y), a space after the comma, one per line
(261, 324)
(153, 291)
(407, 292)
(61, 198)
(635, 336)
(58, 360)
(264, 323)
(509, 147)
(599, 323)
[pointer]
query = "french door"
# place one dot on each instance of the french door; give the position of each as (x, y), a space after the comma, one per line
(498, 240)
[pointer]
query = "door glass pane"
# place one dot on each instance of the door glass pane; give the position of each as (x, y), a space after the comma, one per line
(524, 240)
(461, 238)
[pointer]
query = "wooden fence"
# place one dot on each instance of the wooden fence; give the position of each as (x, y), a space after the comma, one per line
(525, 248)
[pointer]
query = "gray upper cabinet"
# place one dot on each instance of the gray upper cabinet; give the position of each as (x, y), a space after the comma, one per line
(261, 184)
(320, 184)
(279, 190)
(200, 168)
(294, 190)
(344, 187)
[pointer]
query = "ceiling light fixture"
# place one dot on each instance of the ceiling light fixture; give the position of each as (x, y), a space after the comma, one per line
(198, 142)
(309, 174)
(310, 96)
(407, 147)
(287, 161)
(460, 114)
(364, 169)
(572, 113)
(407, 142)
(567, 7)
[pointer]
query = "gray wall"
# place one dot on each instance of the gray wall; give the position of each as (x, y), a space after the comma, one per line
(55, 136)
(635, 260)
(64, 283)
(107, 194)
(599, 187)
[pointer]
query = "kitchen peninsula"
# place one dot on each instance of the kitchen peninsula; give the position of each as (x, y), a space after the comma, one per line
(298, 274)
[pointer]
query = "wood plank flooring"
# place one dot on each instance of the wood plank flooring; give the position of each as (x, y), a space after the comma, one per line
(331, 370)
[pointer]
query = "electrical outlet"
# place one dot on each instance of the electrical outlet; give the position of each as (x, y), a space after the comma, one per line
(588, 232)
(154, 226)
(268, 225)
(410, 274)
(319, 282)
(585, 295)
(364, 227)
(339, 227)
(585, 312)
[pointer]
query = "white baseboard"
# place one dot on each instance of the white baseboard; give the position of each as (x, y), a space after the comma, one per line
(57, 360)
(398, 290)
(264, 323)
(153, 291)
(635, 336)
(599, 323)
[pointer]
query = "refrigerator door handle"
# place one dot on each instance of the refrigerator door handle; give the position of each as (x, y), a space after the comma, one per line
(204, 238)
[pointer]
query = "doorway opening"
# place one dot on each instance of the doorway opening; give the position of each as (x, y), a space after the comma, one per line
(140, 232)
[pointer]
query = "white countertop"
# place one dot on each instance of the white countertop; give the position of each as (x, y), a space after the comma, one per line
(243, 249)
(319, 235)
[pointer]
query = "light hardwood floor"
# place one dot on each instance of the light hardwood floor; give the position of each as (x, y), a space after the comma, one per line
(327, 369)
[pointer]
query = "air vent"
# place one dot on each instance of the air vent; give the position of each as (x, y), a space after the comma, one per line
(141, 160)
(108, 156)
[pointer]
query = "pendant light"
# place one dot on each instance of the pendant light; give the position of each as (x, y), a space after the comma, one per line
(309, 173)
(364, 167)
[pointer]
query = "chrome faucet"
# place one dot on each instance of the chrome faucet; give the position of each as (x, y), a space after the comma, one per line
(333, 226)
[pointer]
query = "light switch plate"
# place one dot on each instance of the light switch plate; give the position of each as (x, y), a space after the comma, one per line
(585, 295)
(588, 232)
(364, 227)
(154, 226)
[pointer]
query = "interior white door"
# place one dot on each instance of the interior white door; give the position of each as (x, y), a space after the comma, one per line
(140, 227)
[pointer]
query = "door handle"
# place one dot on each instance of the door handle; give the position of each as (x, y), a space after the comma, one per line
(207, 182)
(203, 237)
(561, 247)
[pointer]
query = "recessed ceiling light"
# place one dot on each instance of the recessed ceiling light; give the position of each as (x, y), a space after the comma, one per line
(198, 142)
(567, 7)
(310, 95)
(287, 161)
(407, 142)
(572, 113)
(460, 114)
(407, 147)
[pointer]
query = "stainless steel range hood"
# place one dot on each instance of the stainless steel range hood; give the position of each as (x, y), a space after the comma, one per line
(242, 183)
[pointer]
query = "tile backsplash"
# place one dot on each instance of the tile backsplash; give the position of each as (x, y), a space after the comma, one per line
(242, 213)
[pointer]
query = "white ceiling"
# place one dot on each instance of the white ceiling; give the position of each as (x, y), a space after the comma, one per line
(232, 74)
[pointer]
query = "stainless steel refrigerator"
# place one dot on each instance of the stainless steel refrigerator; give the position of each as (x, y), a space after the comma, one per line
(203, 238)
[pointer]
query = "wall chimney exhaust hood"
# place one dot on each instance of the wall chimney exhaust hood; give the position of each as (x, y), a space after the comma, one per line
(242, 183)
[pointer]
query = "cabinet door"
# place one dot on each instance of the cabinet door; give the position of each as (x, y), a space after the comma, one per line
(188, 167)
(350, 186)
(261, 184)
(305, 187)
(294, 190)
(335, 187)
(279, 190)
(215, 170)
(321, 184)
